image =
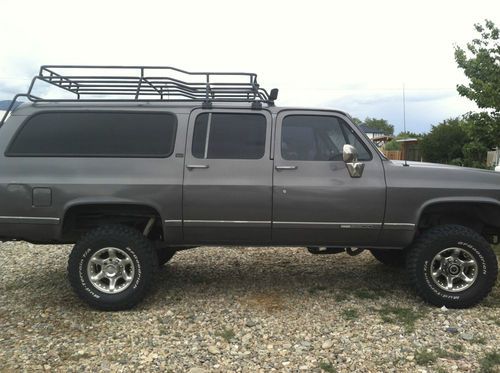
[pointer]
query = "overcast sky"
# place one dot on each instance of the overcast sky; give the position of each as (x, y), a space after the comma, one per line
(349, 55)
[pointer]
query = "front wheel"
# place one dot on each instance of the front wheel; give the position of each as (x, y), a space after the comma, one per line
(112, 267)
(452, 266)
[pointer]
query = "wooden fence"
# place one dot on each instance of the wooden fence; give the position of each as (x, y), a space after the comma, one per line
(396, 155)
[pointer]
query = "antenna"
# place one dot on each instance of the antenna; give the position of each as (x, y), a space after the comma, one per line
(404, 125)
(404, 109)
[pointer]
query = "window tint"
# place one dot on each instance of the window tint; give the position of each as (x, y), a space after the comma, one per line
(230, 136)
(318, 138)
(97, 134)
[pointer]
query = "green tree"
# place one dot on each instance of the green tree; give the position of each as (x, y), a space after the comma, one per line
(445, 142)
(357, 121)
(409, 135)
(380, 124)
(480, 61)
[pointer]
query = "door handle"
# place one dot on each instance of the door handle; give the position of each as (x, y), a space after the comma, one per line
(193, 166)
(282, 168)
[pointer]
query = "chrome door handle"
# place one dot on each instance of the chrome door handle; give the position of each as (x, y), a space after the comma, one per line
(193, 166)
(281, 168)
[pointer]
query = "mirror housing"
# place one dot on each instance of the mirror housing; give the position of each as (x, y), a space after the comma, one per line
(350, 157)
(273, 96)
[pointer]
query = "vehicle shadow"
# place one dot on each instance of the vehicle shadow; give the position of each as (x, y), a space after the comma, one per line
(291, 274)
(217, 274)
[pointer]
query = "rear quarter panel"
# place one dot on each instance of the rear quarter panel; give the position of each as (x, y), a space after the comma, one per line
(155, 182)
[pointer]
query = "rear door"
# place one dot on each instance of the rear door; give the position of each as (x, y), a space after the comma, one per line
(315, 200)
(227, 189)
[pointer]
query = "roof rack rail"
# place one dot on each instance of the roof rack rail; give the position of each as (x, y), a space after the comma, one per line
(93, 83)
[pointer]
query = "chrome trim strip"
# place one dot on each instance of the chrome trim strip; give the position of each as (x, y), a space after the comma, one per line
(30, 218)
(341, 225)
(173, 223)
(230, 221)
(402, 224)
(399, 226)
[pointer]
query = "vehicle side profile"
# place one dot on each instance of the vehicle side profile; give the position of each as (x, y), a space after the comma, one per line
(136, 163)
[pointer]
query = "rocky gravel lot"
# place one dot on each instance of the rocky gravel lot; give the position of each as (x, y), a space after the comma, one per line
(240, 310)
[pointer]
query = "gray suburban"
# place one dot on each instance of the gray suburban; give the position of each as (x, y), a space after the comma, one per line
(140, 162)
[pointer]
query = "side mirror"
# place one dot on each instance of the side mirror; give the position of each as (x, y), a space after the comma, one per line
(350, 157)
(273, 96)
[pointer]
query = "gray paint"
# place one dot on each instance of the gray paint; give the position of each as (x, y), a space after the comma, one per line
(232, 201)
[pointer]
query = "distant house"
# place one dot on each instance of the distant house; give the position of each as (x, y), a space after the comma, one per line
(371, 132)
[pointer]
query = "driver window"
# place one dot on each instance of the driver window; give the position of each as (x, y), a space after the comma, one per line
(318, 138)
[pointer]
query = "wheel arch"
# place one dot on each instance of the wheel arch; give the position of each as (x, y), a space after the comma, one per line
(103, 208)
(479, 213)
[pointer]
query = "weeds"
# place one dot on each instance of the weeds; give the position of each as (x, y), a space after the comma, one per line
(350, 314)
(489, 362)
(226, 334)
(327, 367)
(400, 315)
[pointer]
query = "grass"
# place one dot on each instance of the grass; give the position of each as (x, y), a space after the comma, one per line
(226, 334)
(317, 288)
(366, 294)
(400, 315)
(424, 357)
(489, 362)
(340, 297)
(479, 340)
(350, 314)
(327, 367)
(459, 348)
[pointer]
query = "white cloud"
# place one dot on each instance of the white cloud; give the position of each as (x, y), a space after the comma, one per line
(314, 51)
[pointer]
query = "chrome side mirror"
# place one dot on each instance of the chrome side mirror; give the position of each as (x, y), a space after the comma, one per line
(350, 157)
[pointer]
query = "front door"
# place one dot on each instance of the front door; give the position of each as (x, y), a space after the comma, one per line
(227, 190)
(315, 200)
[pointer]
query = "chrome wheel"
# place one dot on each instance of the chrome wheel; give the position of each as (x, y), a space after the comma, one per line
(111, 270)
(454, 269)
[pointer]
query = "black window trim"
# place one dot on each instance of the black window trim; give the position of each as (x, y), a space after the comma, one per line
(210, 112)
(302, 114)
(8, 152)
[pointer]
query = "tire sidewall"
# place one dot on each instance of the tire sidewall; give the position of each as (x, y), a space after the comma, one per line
(439, 296)
(85, 249)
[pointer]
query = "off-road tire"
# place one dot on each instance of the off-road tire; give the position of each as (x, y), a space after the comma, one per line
(164, 255)
(130, 241)
(391, 258)
(429, 244)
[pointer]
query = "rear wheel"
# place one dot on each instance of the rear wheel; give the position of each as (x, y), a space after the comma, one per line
(392, 258)
(452, 266)
(112, 267)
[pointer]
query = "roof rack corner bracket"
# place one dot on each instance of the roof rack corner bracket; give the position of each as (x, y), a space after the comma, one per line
(256, 105)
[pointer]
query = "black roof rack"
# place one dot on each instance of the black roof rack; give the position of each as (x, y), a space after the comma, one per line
(91, 83)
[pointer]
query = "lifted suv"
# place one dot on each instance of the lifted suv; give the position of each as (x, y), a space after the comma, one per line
(143, 161)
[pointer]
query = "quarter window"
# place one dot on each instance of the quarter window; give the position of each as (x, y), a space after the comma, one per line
(229, 136)
(318, 138)
(96, 134)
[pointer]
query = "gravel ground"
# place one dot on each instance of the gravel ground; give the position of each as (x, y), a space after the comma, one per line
(240, 309)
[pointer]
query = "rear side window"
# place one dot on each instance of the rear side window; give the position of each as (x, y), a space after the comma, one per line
(229, 136)
(96, 134)
(318, 138)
